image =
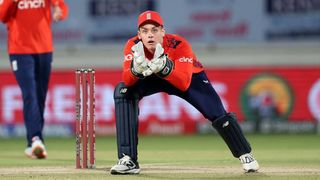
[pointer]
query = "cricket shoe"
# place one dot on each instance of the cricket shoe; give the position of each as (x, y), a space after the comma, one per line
(38, 149)
(125, 165)
(28, 153)
(249, 164)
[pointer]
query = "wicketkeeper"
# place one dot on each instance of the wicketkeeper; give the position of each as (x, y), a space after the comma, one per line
(158, 62)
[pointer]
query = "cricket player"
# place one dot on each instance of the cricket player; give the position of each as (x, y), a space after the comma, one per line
(158, 62)
(30, 50)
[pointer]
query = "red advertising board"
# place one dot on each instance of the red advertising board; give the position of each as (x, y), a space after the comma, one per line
(293, 93)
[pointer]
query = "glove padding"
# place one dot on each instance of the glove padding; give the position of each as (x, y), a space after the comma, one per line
(160, 64)
(139, 65)
(158, 61)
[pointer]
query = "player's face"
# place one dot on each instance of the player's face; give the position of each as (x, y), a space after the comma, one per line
(150, 35)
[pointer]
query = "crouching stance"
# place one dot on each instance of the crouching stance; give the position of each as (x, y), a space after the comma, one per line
(158, 62)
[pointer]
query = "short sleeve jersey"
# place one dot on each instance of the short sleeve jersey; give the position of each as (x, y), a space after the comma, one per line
(29, 24)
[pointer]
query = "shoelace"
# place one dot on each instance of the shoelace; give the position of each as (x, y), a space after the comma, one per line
(126, 160)
(247, 159)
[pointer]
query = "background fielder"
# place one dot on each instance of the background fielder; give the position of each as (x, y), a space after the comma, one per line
(30, 51)
(158, 62)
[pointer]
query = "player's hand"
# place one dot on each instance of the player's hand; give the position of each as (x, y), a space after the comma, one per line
(139, 65)
(57, 12)
(160, 64)
(158, 61)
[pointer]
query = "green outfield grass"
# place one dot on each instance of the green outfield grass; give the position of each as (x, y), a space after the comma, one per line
(170, 157)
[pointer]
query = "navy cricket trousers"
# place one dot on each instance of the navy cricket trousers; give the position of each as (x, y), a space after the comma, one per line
(200, 93)
(32, 72)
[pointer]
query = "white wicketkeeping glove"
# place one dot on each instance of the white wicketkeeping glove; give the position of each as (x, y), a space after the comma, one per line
(159, 60)
(140, 64)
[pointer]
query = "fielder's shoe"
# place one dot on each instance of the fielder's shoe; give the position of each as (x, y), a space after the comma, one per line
(249, 164)
(125, 166)
(38, 149)
(28, 153)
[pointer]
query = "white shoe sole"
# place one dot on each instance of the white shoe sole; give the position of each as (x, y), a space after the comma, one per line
(251, 167)
(131, 171)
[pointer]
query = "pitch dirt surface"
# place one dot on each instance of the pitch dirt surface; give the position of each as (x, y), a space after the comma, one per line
(165, 169)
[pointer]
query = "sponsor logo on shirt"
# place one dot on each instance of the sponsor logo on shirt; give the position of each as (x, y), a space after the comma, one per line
(128, 57)
(31, 4)
(184, 59)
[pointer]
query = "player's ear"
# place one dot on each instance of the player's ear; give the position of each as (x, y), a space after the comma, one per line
(139, 34)
(163, 31)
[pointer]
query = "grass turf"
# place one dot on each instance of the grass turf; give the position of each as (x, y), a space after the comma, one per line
(290, 156)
